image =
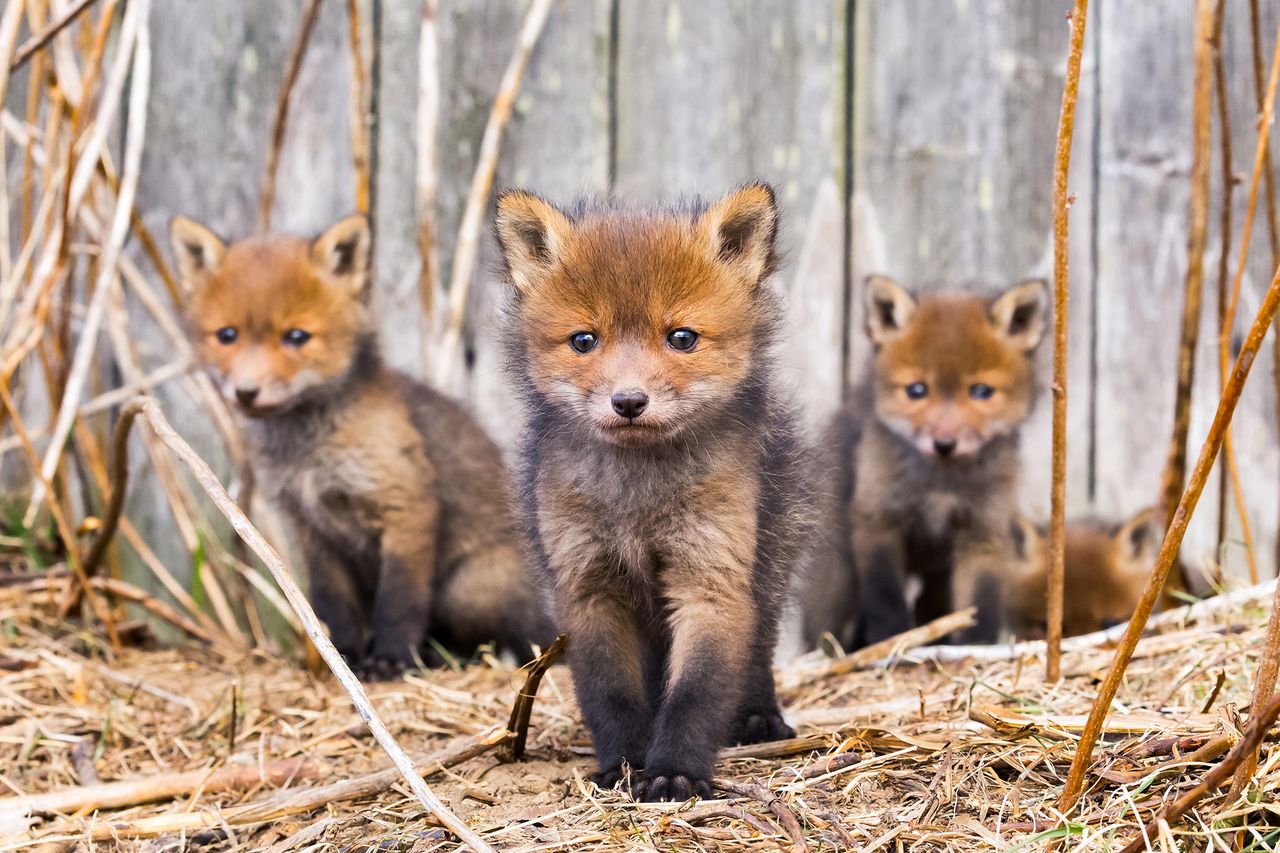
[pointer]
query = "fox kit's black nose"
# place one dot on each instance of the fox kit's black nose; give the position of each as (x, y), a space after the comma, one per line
(629, 404)
(246, 396)
(944, 446)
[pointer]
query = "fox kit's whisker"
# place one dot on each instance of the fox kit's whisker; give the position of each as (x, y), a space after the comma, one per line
(661, 498)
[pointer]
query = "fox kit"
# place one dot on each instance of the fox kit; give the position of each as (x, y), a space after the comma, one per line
(660, 466)
(1105, 569)
(398, 499)
(929, 446)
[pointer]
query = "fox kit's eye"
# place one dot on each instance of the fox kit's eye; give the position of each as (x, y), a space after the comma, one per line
(682, 339)
(917, 391)
(296, 337)
(583, 341)
(981, 391)
(226, 335)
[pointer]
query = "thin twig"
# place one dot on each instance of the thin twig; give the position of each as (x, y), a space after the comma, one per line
(518, 724)
(135, 29)
(1061, 284)
(46, 34)
(359, 109)
(1248, 745)
(1172, 542)
(1224, 249)
(773, 802)
(428, 176)
(467, 246)
(315, 631)
(875, 653)
(1228, 320)
(1175, 471)
(166, 786)
(268, 198)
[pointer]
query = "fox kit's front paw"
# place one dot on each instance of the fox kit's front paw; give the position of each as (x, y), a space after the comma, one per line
(761, 725)
(670, 785)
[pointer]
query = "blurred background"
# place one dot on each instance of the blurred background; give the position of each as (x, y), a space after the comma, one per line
(912, 138)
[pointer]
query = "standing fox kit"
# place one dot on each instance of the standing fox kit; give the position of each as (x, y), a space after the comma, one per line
(397, 497)
(659, 480)
(932, 441)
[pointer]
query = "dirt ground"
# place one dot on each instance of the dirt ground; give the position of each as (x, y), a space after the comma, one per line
(968, 755)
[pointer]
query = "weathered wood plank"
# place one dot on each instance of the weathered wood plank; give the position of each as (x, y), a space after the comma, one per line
(555, 144)
(953, 175)
(1145, 150)
(711, 94)
(216, 72)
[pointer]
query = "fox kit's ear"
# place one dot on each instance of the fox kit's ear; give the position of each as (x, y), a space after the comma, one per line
(342, 252)
(742, 228)
(1139, 539)
(532, 233)
(199, 251)
(889, 307)
(1019, 313)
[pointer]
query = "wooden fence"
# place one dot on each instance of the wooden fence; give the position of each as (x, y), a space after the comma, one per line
(911, 137)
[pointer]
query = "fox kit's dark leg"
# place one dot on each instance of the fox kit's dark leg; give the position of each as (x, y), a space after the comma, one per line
(879, 553)
(606, 657)
(402, 601)
(706, 585)
(336, 598)
(980, 562)
(759, 716)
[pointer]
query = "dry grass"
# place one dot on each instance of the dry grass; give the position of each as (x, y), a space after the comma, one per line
(963, 756)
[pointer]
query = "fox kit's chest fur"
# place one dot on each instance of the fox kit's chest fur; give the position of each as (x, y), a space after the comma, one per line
(660, 471)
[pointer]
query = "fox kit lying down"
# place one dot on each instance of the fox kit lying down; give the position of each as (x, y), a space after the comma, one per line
(926, 463)
(1105, 569)
(398, 499)
(660, 468)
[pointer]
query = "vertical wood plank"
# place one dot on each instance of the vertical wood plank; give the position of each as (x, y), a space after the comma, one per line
(216, 72)
(712, 93)
(953, 175)
(556, 144)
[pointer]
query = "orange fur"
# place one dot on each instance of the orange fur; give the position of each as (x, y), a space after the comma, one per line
(1106, 569)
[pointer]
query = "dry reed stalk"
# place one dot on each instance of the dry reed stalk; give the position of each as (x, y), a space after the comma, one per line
(46, 34)
(166, 786)
(518, 723)
(9, 24)
(359, 109)
(1259, 724)
(1168, 554)
(267, 200)
(760, 793)
(315, 631)
(467, 246)
(1228, 318)
(1175, 471)
(890, 647)
(134, 42)
(1061, 286)
(303, 800)
(427, 174)
(1224, 249)
(101, 610)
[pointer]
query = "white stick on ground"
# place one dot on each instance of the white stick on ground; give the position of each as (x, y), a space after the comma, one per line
(208, 481)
